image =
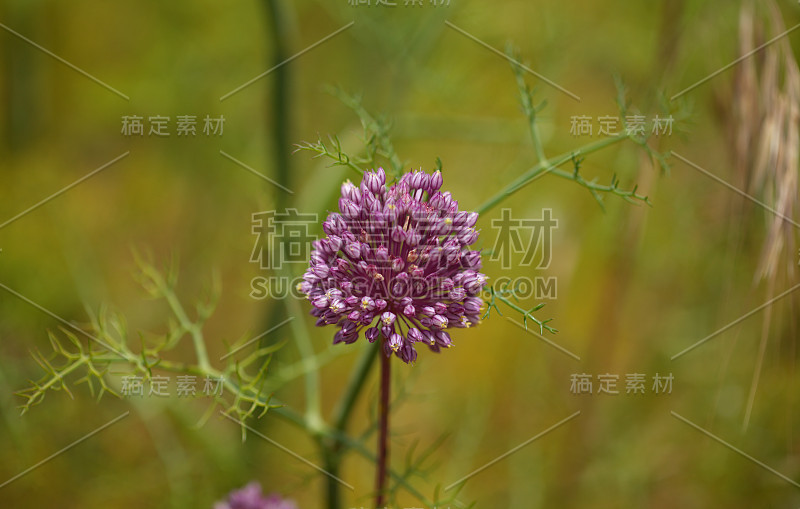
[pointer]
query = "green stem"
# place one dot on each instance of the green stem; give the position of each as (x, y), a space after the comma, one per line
(542, 325)
(58, 376)
(530, 111)
(545, 167)
(354, 386)
(333, 495)
(383, 430)
(280, 103)
(326, 434)
(333, 449)
(595, 188)
(295, 418)
(306, 350)
(537, 139)
(385, 146)
(339, 158)
(186, 324)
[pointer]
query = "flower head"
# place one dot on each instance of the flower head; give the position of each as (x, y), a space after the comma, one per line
(396, 264)
(250, 497)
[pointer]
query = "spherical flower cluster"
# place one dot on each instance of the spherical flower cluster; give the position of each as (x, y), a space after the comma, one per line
(396, 263)
(250, 497)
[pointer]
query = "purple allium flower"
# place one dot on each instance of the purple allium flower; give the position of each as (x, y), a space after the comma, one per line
(396, 264)
(250, 497)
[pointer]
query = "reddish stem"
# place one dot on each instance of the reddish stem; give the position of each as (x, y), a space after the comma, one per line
(383, 430)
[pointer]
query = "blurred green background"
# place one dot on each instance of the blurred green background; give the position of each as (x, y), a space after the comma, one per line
(636, 284)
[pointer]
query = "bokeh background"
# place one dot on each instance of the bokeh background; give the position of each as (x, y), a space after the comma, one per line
(635, 284)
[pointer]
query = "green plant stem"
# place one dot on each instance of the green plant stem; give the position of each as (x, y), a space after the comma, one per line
(342, 413)
(544, 167)
(192, 328)
(60, 375)
(327, 434)
(542, 325)
(537, 139)
(333, 496)
(595, 188)
(383, 430)
(333, 448)
(280, 99)
(530, 110)
(322, 150)
(306, 349)
(385, 146)
(293, 417)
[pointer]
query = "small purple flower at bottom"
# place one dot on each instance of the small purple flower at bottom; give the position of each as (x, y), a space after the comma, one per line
(250, 497)
(396, 264)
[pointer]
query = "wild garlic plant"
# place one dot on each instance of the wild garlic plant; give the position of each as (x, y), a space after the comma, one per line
(416, 241)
